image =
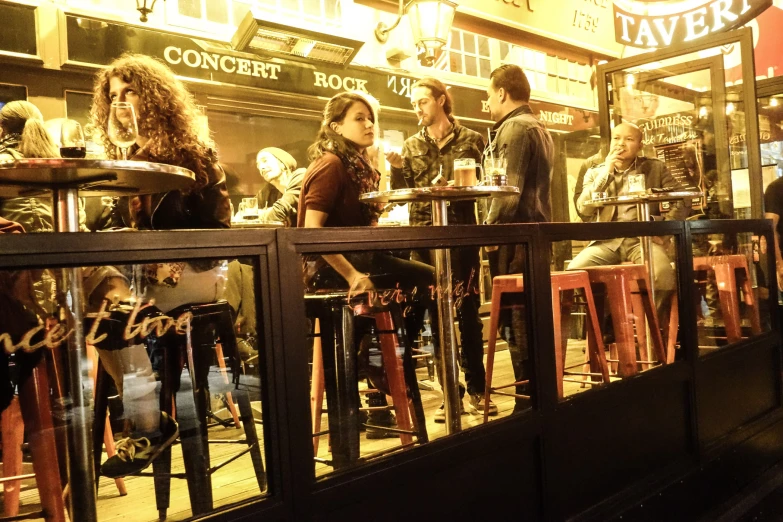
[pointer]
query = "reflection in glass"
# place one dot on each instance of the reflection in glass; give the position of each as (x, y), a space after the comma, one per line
(376, 354)
(731, 288)
(176, 388)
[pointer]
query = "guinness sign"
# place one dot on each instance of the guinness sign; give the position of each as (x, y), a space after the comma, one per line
(678, 26)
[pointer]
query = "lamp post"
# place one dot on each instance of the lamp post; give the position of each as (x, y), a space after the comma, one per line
(430, 24)
(141, 6)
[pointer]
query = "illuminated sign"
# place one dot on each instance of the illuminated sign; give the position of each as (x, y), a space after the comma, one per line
(684, 26)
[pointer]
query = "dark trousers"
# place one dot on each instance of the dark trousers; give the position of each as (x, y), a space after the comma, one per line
(465, 277)
(510, 259)
(410, 283)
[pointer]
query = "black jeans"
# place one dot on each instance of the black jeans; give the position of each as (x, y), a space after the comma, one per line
(510, 259)
(465, 277)
(411, 282)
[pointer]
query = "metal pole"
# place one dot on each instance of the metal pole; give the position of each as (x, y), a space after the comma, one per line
(448, 357)
(647, 258)
(646, 245)
(81, 474)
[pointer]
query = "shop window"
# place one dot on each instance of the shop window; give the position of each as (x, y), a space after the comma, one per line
(467, 53)
(10, 92)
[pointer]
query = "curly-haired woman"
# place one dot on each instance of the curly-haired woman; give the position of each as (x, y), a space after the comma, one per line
(172, 131)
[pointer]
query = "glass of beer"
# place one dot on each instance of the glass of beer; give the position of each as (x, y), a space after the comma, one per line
(465, 172)
(495, 171)
(250, 208)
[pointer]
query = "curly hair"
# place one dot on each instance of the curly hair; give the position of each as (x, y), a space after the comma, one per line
(327, 139)
(167, 115)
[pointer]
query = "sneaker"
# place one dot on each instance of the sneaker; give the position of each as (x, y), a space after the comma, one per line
(136, 454)
(440, 413)
(377, 420)
(477, 401)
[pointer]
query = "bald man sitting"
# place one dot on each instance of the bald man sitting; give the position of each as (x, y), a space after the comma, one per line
(611, 177)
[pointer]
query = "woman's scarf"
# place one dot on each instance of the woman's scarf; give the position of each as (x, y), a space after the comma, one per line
(366, 179)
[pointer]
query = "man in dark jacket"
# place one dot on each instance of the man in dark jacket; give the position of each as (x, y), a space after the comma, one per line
(425, 156)
(612, 177)
(526, 145)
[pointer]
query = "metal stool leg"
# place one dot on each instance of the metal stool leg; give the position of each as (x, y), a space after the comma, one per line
(13, 437)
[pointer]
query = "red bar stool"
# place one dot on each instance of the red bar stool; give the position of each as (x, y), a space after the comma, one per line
(32, 410)
(561, 282)
(627, 288)
(567, 282)
(725, 268)
(503, 284)
(400, 372)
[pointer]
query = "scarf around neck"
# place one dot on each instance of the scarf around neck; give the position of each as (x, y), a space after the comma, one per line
(365, 178)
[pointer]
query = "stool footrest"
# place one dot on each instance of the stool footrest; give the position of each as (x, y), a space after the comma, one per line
(580, 381)
(518, 395)
(393, 430)
(495, 388)
(586, 374)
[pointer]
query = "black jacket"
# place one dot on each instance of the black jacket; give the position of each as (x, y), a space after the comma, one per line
(205, 208)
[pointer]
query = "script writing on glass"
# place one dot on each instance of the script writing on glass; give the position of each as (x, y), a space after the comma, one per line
(459, 291)
(54, 334)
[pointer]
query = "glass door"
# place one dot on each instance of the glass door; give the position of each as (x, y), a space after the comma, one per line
(697, 115)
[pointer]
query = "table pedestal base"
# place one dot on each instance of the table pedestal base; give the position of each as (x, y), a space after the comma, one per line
(81, 474)
(448, 358)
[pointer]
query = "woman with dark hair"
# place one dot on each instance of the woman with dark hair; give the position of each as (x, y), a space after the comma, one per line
(23, 135)
(340, 171)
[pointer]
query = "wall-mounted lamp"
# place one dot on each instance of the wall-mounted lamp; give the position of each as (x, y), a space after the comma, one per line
(430, 24)
(141, 6)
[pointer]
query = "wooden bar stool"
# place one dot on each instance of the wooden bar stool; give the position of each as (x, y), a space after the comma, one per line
(626, 284)
(32, 410)
(334, 372)
(725, 268)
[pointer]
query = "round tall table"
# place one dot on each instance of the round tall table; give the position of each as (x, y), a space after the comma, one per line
(440, 197)
(65, 179)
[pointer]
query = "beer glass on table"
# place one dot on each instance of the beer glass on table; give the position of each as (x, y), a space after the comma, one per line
(465, 172)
